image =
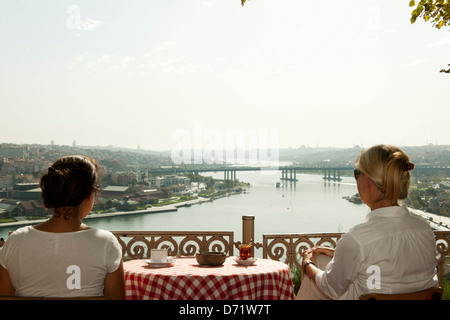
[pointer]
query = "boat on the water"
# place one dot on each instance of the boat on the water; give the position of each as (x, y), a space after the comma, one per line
(354, 198)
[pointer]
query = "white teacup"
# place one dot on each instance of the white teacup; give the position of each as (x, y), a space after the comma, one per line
(159, 255)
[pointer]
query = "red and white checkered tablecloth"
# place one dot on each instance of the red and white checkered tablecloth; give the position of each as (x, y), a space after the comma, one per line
(187, 280)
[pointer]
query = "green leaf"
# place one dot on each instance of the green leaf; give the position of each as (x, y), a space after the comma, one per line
(412, 3)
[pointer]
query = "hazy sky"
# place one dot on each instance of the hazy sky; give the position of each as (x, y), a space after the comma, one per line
(156, 72)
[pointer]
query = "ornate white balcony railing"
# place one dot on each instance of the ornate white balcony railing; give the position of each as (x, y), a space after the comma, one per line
(287, 247)
(138, 244)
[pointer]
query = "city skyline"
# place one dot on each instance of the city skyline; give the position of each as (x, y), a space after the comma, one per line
(149, 75)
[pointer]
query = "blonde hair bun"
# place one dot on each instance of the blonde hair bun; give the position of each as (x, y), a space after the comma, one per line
(388, 167)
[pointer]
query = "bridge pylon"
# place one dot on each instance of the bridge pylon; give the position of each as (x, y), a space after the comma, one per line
(289, 175)
(335, 177)
(229, 175)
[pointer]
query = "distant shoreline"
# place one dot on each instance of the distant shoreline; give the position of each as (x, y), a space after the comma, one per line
(437, 222)
(160, 209)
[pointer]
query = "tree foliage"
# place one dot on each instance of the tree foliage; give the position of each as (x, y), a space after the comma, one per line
(436, 11)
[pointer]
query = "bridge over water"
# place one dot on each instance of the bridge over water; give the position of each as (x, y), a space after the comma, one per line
(288, 173)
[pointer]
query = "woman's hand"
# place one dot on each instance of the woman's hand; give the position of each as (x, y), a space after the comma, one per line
(309, 255)
(324, 250)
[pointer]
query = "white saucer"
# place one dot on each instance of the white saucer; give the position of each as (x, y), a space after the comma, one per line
(169, 263)
(248, 262)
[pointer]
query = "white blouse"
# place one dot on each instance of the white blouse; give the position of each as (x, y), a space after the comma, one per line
(392, 252)
(47, 264)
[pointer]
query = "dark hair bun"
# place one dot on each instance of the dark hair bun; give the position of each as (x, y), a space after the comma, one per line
(69, 181)
(56, 188)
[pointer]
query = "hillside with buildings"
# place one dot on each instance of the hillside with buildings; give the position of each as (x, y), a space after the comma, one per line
(128, 185)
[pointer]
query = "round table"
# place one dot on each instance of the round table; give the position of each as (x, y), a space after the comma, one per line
(187, 280)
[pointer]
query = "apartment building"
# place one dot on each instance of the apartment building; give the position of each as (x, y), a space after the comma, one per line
(167, 181)
(5, 182)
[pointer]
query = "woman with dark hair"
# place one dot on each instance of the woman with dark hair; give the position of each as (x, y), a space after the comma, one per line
(392, 252)
(63, 257)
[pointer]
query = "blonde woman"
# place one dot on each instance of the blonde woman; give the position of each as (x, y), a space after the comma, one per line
(393, 251)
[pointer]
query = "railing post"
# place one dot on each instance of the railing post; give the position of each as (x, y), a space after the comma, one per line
(248, 230)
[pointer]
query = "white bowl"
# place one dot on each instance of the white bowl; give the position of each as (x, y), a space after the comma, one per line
(250, 261)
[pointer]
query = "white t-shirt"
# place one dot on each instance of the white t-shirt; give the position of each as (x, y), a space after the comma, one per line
(47, 264)
(394, 251)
